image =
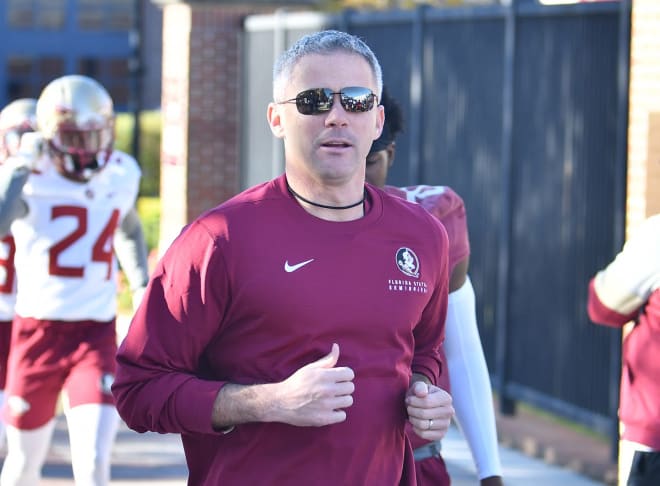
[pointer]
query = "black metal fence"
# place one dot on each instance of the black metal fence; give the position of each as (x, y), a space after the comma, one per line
(522, 110)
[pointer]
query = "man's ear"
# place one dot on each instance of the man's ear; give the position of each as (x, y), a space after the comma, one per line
(274, 118)
(380, 121)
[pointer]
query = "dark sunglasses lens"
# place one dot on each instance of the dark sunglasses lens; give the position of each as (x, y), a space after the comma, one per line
(314, 101)
(357, 99)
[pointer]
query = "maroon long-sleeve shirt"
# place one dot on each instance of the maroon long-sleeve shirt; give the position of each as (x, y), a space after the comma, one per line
(257, 288)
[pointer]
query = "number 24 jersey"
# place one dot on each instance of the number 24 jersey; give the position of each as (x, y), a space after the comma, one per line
(64, 245)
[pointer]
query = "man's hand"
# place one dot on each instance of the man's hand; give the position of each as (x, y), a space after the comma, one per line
(316, 394)
(30, 150)
(429, 410)
(313, 396)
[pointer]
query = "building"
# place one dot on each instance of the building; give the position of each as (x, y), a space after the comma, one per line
(117, 42)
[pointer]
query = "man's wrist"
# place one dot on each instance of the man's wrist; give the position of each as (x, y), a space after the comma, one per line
(238, 404)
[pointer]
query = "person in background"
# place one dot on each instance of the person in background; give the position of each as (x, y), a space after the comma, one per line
(17, 118)
(64, 197)
(468, 373)
(291, 332)
(628, 290)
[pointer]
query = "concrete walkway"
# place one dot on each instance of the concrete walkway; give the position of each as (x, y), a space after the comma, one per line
(137, 459)
(518, 469)
(158, 460)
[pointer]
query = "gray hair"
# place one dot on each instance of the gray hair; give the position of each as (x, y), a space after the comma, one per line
(324, 42)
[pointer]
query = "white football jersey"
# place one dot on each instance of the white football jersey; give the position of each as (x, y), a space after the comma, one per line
(65, 263)
(7, 278)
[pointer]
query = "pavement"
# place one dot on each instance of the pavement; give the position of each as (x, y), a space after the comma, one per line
(155, 459)
(557, 442)
(518, 469)
(137, 459)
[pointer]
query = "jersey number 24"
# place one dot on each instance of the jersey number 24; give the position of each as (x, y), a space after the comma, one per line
(101, 251)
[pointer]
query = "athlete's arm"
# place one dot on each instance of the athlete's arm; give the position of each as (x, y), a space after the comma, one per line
(470, 384)
(458, 274)
(617, 292)
(131, 251)
(13, 176)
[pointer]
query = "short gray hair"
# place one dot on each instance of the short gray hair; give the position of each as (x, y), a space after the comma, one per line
(324, 42)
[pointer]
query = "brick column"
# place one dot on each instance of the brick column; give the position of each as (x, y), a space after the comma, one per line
(644, 114)
(201, 111)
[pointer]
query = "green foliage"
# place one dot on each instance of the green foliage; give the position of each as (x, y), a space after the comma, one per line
(149, 156)
(124, 297)
(149, 211)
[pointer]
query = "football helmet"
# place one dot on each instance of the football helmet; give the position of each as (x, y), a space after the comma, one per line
(75, 115)
(17, 118)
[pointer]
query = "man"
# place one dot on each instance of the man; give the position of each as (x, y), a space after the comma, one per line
(628, 289)
(468, 373)
(290, 333)
(64, 197)
(17, 118)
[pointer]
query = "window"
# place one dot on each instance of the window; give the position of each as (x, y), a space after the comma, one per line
(52, 17)
(112, 73)
(106, 14)
(19, 66)
(27, 76)
(43, 14)
(50, 67)
(20, 14)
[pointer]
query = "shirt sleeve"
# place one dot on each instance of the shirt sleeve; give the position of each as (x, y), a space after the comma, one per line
(617, 292)
(430, 332)
(450, 210)
(159, 386)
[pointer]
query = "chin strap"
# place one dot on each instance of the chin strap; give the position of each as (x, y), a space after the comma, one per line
(83, 165)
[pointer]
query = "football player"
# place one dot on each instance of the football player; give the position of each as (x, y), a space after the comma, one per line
(626, 290)
(17, 118)
(468, 372)
(67, 197)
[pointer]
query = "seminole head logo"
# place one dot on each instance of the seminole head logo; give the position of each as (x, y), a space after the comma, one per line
(407, 262)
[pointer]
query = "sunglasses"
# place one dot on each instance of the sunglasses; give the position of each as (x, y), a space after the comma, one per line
(353, 99)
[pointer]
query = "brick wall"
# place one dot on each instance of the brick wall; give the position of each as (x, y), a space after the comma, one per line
(201, 110)
(644, 113)
(214, 112)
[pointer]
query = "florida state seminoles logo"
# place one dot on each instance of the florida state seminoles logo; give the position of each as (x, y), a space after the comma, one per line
(407, 262)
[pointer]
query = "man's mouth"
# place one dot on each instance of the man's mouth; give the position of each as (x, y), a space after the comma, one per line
(336, 144)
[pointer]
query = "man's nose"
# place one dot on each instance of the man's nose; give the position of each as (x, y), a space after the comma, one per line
(337, 114)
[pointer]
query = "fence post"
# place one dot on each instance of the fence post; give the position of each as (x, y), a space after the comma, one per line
(416, 90)
(619, 223)
(507, 405)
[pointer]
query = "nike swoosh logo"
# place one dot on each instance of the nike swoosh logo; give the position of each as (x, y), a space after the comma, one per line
(292, 268)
